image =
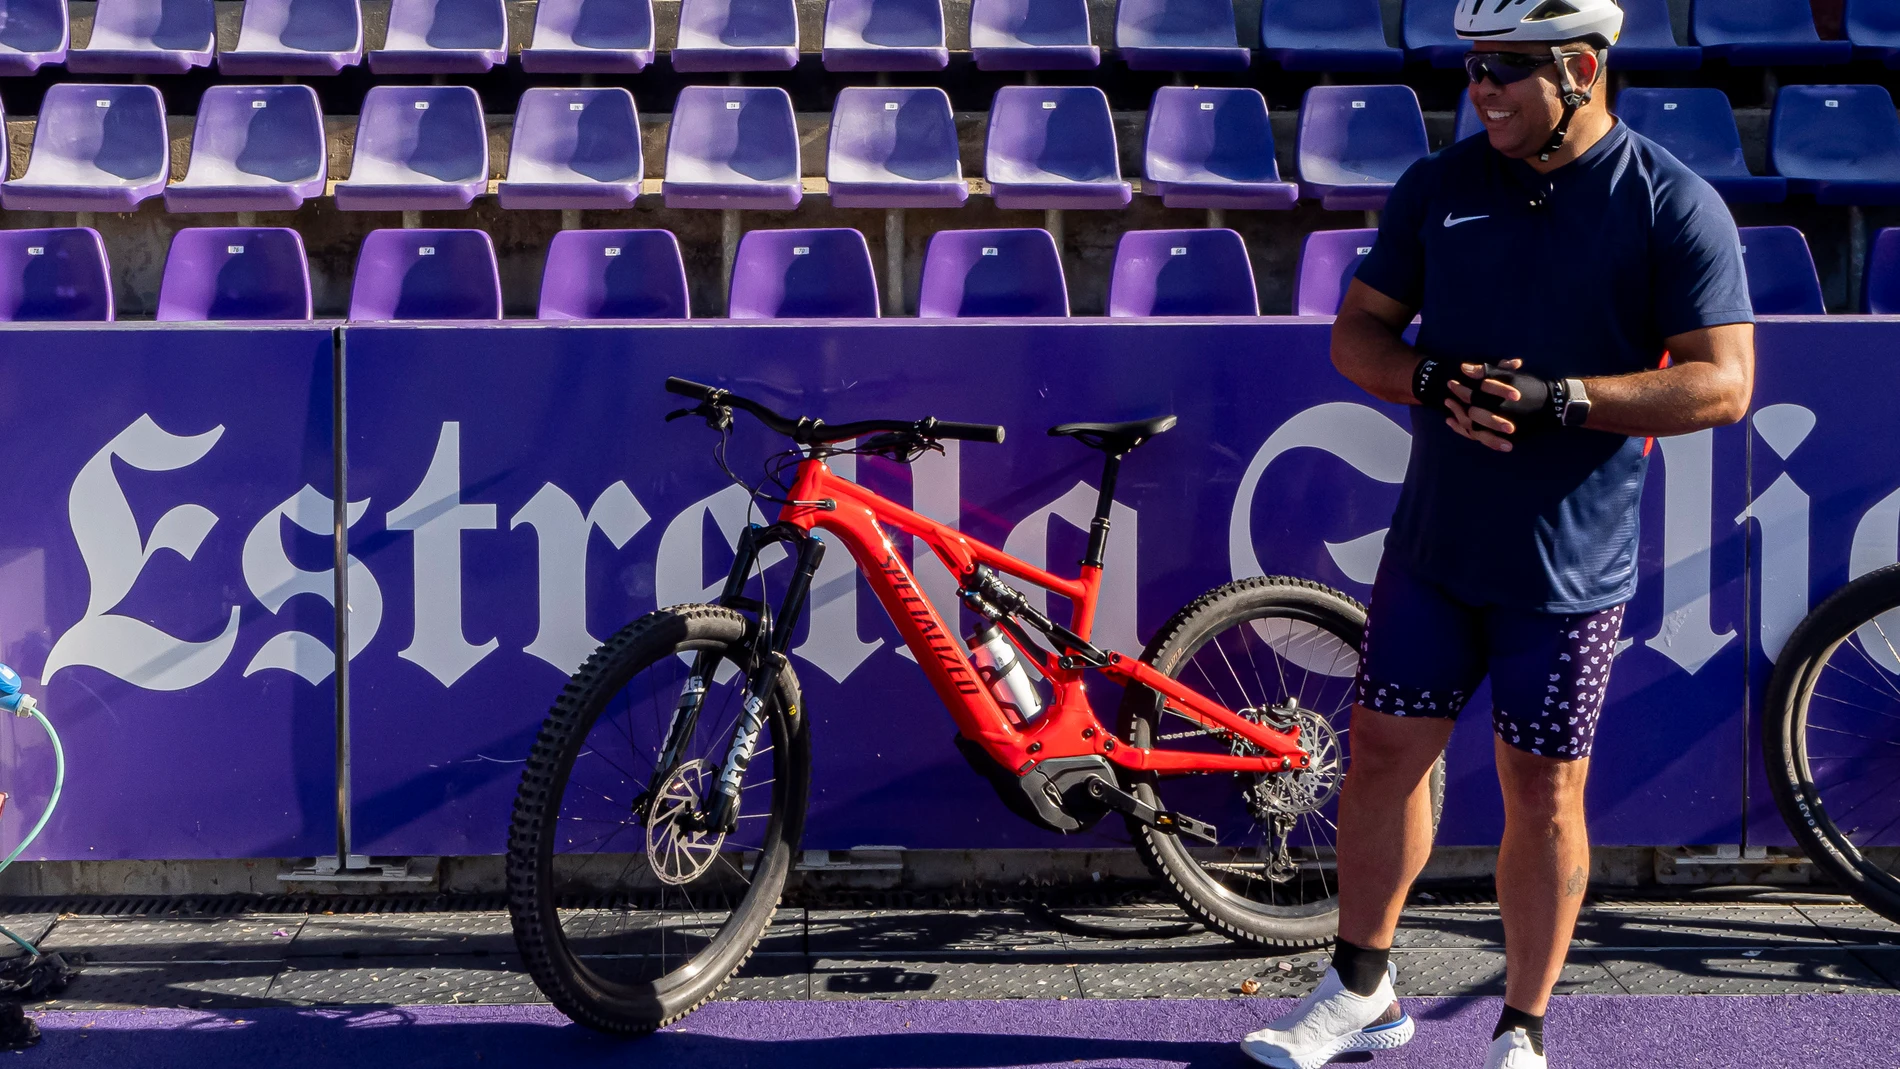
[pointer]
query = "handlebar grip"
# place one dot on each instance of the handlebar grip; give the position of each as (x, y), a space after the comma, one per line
(688, 388)
(968, 432)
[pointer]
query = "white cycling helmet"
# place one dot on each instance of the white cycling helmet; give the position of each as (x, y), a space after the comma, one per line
(1555, 21)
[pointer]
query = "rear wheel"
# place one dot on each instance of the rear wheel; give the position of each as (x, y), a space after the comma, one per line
(1284, 652)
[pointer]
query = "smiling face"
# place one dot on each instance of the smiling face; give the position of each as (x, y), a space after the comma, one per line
(1519, 118)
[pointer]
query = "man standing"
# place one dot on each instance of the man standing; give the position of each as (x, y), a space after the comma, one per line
(1580, 291)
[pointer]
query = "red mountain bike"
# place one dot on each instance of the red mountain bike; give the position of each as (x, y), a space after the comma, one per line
(662, 805)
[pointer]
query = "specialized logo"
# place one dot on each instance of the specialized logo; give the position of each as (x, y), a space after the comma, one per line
(1451, 222)
(953, 663)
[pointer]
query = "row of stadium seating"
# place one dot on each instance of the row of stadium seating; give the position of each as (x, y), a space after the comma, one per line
(260, 273)
(316, 37)
(263, 148)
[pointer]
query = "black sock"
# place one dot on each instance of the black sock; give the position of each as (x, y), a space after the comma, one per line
(1533, 1026)
(1360, 968)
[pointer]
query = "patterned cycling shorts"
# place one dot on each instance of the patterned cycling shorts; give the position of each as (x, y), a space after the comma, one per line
(1425, 651)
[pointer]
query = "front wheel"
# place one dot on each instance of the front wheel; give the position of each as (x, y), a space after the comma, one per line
(1284, 652)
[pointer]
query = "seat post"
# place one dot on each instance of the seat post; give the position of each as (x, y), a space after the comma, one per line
(1098, 527)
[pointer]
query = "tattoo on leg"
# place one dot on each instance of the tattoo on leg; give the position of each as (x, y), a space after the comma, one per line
(1577, 882)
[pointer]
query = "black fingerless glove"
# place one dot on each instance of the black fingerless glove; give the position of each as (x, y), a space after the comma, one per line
(1431, 382)
(1538, 408)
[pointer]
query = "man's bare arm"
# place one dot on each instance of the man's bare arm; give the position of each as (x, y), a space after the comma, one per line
(1369, 346)
(1708, 383)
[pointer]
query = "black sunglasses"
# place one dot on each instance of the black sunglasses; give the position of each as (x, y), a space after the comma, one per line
(1504, 68)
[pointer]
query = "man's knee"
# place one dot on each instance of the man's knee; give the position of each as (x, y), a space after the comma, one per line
(1387, 747)
(1541, 790)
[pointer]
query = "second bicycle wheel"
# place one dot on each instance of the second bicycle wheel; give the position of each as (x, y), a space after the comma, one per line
(1284, 652)
(628, 912)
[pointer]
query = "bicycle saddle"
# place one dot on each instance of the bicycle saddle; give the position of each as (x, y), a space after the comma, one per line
(1114, 438)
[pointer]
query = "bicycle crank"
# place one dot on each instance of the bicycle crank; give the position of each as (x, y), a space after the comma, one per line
(679, 847)
(1179, 823)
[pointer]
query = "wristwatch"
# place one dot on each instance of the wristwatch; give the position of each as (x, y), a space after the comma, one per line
(1574, 409)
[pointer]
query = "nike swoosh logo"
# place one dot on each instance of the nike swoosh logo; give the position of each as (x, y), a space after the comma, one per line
(1450, 222)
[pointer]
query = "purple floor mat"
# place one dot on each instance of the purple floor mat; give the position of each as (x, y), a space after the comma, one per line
(1597, 1032)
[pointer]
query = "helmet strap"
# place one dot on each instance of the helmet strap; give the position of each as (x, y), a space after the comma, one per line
(1574, 97)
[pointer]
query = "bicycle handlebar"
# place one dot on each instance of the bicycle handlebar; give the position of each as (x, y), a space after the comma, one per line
(808, 431)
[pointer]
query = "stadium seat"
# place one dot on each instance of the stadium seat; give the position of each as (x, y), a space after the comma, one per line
(33, 33)
(1762, 33)
(443, 37)
(732, 147)
(590, 37)
(1339, 35)
(1873, 28)
(1182, 273)
(1649, 40)
(96, 148)
(1838, 142)
(1212, 148)
(1327, 263)
(884, 35)
(426, 274)
(1032, 35)
(239, 272)
(803, 274)
(1781, 276)
(255, 148)
(1697, 126)
(1468, 121)
(1355, 142)
(1179, 35)
(986, 273)
(737, 35)
(1429, 36)
(54, 275)
(614, 274)
(417, 147)
(292, 37)
(894, 148)
(147, 37)
(574, 148)
(1053, 147)
(1881, 294)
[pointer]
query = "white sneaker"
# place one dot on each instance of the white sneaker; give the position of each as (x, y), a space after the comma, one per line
(1513, 1050)
(1332, 1021)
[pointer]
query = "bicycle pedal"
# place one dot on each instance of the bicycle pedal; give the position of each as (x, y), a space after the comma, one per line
(1182, 824)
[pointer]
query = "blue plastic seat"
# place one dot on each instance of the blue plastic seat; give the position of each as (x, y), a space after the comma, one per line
(1032, 35)
(1328, 260)
(614, 274)
(574, 148)
(1881, 294)
(96, 148)
(1213, 148)
(1697, 126)
(732, 147)
(1182, 273)
(1355, 142)
(1762, 33)
(973, 274)
(426, 274)
(1782, 280)
(147, 37)
(54, 275)
(736, 35)
(1649, 40)
(803, 274)
(590, 37)
(1873, 28)
(254, 148)
(1468, 121)
(443, 37)
(1338, 35)
(1430, 35)
(1179, 35)
(1838, 142)
(894, 148)
(33, 33)
(292, 37)
(1053, 147)
(240, 272)
(417, 147)
(884, 35)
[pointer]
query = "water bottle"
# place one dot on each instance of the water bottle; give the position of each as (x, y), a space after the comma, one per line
(1000, 665)
(12, 698)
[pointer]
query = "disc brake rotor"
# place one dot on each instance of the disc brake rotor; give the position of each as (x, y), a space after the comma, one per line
(678, 849)
(1279, 799)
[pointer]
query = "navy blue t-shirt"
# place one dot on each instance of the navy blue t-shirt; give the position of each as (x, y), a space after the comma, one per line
(1581, 272)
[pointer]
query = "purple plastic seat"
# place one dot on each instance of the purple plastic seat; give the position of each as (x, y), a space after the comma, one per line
(732, 147)
(33, 33)
(574, 148)
(417, 147)
(894, 148)
(803, 274)
(1881, 295)
(1032, 35)
(239, 272)
(1839, 142)
(256, 148)
(971, 274)
(614, 274)
(590, 37)
(884, 35)
(426, 274)
(1782, 280)
(97, 148)
(1873, 27)
(1762, 33)
(1327, 262)
(147, 37)
(1649, 40)
(1697, 126)
(1053, 147)
(1355, 142)
(54, 275)
(1430, 35)
(1338, 35)
(1213, 148)
(1182, 273)
(443, 37)
(736, 35)
(292, 37)
(1179, 35)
